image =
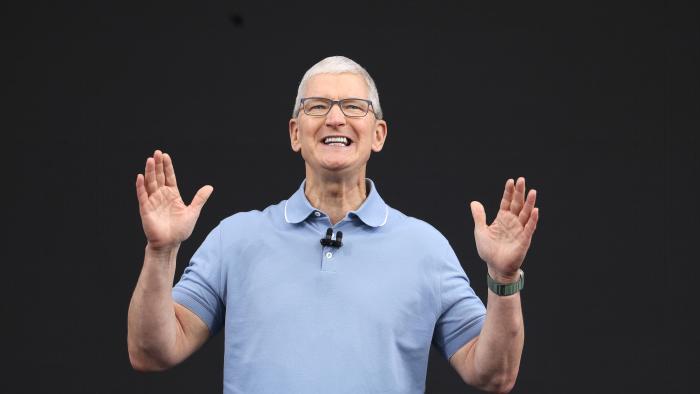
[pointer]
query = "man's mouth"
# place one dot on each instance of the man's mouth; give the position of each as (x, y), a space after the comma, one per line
(337, 141)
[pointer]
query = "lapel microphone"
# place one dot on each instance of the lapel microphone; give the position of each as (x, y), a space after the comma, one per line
(337, 242)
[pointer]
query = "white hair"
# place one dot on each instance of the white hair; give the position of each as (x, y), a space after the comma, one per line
(339, 65)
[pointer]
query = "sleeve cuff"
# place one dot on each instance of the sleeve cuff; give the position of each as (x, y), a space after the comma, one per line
(466, 334)
(184, 298)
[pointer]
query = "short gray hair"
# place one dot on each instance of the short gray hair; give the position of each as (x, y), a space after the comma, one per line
(339, 65)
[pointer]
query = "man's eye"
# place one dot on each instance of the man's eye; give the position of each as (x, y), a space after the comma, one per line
(318, 106)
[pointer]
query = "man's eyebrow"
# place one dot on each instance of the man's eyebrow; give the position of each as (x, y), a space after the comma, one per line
(342, 98)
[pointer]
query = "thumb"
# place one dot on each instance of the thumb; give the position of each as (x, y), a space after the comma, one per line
(478, 214)
(201, 197)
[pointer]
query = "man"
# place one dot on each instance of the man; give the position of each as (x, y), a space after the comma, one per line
(356, 312)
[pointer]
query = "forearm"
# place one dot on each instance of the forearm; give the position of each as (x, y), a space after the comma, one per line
(152, 323)
(493, 361)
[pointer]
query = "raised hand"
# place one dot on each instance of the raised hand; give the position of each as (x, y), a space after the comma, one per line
(166, 220)
(504, 243)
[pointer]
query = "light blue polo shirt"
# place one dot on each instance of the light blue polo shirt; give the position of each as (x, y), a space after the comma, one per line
(301, 317)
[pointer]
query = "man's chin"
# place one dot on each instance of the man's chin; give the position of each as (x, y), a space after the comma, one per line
(337, 168)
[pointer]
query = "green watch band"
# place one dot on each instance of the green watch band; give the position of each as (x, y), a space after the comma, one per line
(506, 289)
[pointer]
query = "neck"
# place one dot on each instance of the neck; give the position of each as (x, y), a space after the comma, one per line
(335, 195)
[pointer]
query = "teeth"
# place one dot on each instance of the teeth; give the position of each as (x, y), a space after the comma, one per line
(331, 140)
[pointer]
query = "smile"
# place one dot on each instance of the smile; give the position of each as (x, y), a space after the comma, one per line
(337, 141)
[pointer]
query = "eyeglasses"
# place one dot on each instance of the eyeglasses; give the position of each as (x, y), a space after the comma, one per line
(351, 107)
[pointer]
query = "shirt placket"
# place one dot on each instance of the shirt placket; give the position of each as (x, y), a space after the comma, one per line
(329, 254)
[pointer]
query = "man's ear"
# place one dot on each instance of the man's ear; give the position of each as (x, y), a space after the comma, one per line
(379, 136)
(294, 134)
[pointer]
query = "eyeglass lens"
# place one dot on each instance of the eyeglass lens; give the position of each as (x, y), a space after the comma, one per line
(321, 106)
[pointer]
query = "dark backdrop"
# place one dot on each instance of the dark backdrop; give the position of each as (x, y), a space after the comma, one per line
(596, 103)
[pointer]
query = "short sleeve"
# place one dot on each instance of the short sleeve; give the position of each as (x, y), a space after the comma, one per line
(462, 313)
(200, 288)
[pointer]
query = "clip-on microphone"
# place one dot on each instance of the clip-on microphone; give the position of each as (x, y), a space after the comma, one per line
(337, 242)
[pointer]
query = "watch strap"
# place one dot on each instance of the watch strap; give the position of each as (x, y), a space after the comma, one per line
(506, 289)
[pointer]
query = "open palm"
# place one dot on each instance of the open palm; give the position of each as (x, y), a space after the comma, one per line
(504, 243)
(166, 220)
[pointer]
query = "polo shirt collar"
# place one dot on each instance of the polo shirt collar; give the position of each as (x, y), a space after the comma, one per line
(373, 211)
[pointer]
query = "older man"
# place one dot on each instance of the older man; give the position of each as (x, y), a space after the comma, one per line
(331, 290)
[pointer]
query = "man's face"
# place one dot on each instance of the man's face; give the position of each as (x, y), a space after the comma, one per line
(308, 133)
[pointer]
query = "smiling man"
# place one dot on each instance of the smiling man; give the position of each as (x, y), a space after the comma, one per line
(330, 290)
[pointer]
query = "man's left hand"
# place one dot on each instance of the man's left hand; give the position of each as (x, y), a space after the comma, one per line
(504, 243)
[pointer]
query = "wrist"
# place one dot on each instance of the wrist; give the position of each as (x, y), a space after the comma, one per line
(504, 277)
(162, 251)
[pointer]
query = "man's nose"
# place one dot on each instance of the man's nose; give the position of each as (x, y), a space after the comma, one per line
(335, 117)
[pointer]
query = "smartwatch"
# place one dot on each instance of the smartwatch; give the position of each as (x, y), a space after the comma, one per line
(506, 289)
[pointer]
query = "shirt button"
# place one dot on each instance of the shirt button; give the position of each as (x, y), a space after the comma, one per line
(329, 255)
(317, 213)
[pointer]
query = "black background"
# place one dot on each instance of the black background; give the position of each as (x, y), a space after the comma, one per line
(595, 103)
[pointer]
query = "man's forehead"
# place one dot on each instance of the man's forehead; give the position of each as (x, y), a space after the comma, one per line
(336, 86)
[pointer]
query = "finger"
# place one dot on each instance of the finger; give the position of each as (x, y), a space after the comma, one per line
(160, 175)
(478, 214)
(507, 194)
(151, 183)
(529, 205)
(531, 224)
(518, 197)
(169, 171)
(141, 192)
(201, 197)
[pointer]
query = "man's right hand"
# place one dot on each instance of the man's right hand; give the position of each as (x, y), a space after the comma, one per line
(166, 220)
